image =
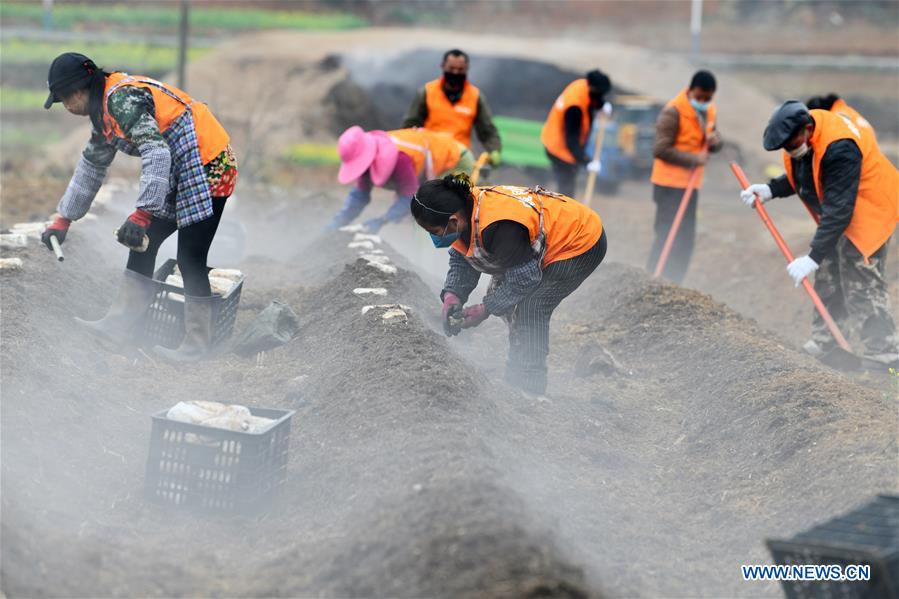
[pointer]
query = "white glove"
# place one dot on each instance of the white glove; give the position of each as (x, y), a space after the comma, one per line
(756, 189)
(607, 109)
(594, 166)
(801, 268)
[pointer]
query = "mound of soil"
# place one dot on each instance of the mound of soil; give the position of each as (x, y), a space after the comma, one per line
(392, 490)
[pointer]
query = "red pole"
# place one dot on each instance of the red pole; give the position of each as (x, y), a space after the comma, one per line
(785, 250)
(675, 225)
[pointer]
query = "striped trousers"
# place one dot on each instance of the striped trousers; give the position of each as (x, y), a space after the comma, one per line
(529, 321)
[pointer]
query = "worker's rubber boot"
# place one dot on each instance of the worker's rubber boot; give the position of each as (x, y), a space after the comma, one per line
(197, 340)
(135, 294)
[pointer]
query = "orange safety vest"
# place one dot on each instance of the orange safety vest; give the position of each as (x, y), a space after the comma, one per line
(691, 137)
(877, 203)
(553, 134)
(170, 103)
(840, 107)
(564, 227)
(432, 152)
(456, 119)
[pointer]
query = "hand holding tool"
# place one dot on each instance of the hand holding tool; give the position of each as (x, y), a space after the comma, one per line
(57, 229)
(800, 268)
(761, 190)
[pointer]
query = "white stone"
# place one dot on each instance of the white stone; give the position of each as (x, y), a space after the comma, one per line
(379, 258)
(13, 240)
(363, 237)
(10, 264)
(370, 291)
(361, 245)
(352, 228)
(385, 268)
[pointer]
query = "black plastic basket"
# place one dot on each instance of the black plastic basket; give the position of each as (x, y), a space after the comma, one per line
(212, 469)
(866, 536)
(163, 322)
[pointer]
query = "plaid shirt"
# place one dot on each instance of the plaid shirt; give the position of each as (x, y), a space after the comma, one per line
(189, 198)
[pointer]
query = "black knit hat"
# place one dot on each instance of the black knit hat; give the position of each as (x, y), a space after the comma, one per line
(68, 72)
(785, 123)
(599, 82)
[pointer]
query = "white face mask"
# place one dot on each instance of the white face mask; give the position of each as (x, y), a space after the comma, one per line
(800, 151)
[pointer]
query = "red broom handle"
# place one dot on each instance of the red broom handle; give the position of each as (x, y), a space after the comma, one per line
(675, 224)
(785, 250)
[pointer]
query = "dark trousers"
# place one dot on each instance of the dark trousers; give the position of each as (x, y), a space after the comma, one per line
(565, 174)
(193, 248)
(667, 201)
(529, 321)
(856, 295)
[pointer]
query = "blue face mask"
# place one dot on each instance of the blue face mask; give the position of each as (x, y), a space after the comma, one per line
(444, 240)
(700, 106)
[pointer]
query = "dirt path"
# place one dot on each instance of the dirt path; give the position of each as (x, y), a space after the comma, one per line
(413, 472)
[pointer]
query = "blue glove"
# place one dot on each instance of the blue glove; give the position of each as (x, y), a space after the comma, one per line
(355, 203)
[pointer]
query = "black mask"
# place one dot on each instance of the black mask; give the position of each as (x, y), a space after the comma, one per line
(597, 98)
(454, 79)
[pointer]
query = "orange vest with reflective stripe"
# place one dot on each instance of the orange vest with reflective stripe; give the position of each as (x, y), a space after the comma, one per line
(877, 203)
(840, 107)
(455, 119)
(571, 228)
(553, 134)
(170, 103)
(432, 152)
(691, 137)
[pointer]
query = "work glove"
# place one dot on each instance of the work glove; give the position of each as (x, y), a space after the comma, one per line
(607, 109)
(801, 268)
(58, 228)
(761, 190)
(133, 230)
(474, 315)
(496, 157)
(594, 166)
(452, 306)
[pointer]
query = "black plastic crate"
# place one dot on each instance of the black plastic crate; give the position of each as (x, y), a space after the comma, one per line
(163, 323)
(212, 469)
(868, 535)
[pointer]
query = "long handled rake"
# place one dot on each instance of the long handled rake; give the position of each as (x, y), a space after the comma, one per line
(841, 356)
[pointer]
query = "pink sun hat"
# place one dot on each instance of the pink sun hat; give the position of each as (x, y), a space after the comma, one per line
(385, 158)
(357, 151)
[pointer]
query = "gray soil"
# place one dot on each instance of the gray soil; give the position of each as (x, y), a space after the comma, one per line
(414, 471)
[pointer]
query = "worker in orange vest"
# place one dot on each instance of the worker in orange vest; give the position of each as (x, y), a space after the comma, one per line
(568, 124)
(835, 103)
(188, 171)
(453, 105)
(538, 245)
(399, 160)
(686, 131)
(852, 190)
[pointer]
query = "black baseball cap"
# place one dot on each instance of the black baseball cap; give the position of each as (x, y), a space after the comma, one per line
(785, 123)
(68, 72)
